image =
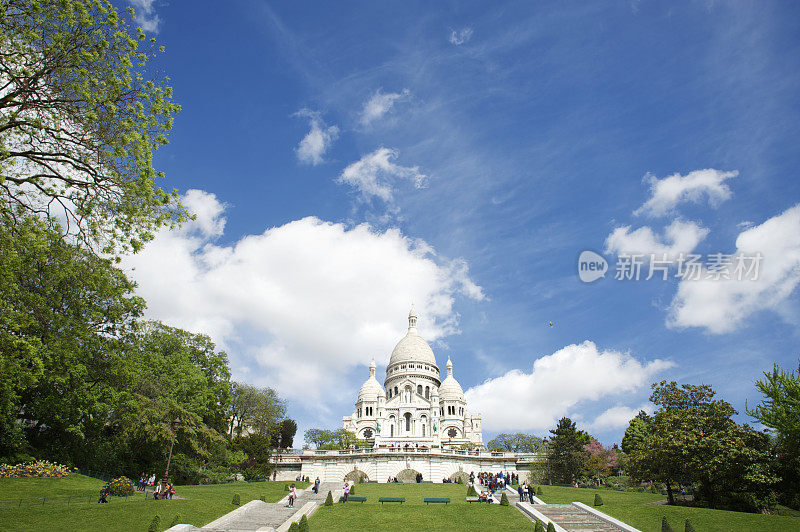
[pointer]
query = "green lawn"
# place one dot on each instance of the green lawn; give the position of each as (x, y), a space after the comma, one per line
(633, 508)
(414, 514)
(203, 504)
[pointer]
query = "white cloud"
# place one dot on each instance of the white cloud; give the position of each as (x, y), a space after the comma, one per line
(667, 193)
(300, 305)
(380, 104)
(618, 417)
(375, 174)
(146, 15)
(522, 401)
(314, 145)
(722, 306)
(679, 237)
(459, 37)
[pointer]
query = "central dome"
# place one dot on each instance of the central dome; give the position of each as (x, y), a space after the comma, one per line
(412, 347)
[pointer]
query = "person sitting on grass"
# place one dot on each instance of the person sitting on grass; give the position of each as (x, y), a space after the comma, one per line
(157, 490)
(170, 491)
(103, 495)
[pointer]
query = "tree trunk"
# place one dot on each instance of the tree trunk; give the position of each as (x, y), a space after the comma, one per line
(670, 497)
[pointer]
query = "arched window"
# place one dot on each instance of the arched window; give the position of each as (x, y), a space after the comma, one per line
(441, 411)
(423, 421)
(427, 392)
(408, 422)
(419, 389)
(391, 426)
(395, 390)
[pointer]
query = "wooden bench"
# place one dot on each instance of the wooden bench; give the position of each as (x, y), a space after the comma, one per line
(445, 500)
(353, 498)
(382, 500)
(473, 499)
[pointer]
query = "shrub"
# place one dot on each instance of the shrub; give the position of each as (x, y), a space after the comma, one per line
(176, 521)
(286, 487)
(329, 499)
(688, 527)
(539, 527)
(263, 498)
(155, 524)
(503, 499)
(41, 468)
(120, 487)
(598, 500)
(352, 490)
(237, 500)
(550, 527)
(471, 492)
(294, 527)
(653, 488)
(539, 491)
(665, 526)
(303, 524)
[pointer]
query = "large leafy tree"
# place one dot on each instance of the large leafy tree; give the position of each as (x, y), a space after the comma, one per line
(81, 115)
(64, 314)
(693, 438)
(518, 443)
(566, 455)
(780, 411)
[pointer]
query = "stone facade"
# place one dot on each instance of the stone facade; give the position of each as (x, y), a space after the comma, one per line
(414, 408)
(378, 464)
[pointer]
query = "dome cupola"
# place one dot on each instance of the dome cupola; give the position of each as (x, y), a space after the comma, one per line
(412, 347)
(371, 389)
(450, 390)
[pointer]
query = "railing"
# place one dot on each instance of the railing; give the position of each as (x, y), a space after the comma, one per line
(419, 450)
(68, 500)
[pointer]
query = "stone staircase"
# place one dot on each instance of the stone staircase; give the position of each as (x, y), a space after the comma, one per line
(573, 519)
(263, 517)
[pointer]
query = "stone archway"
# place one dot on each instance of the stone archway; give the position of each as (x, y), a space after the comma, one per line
(460, 476)
(407, 475)
(356, 477)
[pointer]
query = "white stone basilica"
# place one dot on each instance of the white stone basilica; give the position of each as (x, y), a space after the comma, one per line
(413, 407)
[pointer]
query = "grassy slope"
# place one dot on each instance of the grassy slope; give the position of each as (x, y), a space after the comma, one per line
(414, 514)
(633, 509)
(204, 504)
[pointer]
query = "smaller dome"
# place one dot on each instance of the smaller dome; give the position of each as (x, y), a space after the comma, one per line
(450, 390)
(371, 389)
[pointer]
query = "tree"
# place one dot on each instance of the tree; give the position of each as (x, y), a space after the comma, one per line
(333, 439)
(565, 451)
(319, 437)
(780, 411)
(692, 437)
(517, 443)
(63, 316)
(254, 409)
(287, 430)
(600, 462)
(637, 432)
(80, 121)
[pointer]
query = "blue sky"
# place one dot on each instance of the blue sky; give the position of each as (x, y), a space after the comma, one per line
(348, 159)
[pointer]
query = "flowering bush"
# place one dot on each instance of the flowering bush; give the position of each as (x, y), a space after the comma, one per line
(41, 468)
(120, 486)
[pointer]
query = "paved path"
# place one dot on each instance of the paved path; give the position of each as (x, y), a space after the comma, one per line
(263, 516)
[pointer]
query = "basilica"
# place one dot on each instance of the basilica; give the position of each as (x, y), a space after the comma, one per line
(414, 408)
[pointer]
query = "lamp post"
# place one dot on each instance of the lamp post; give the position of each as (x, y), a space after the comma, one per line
(175, 423)
(277, 457)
